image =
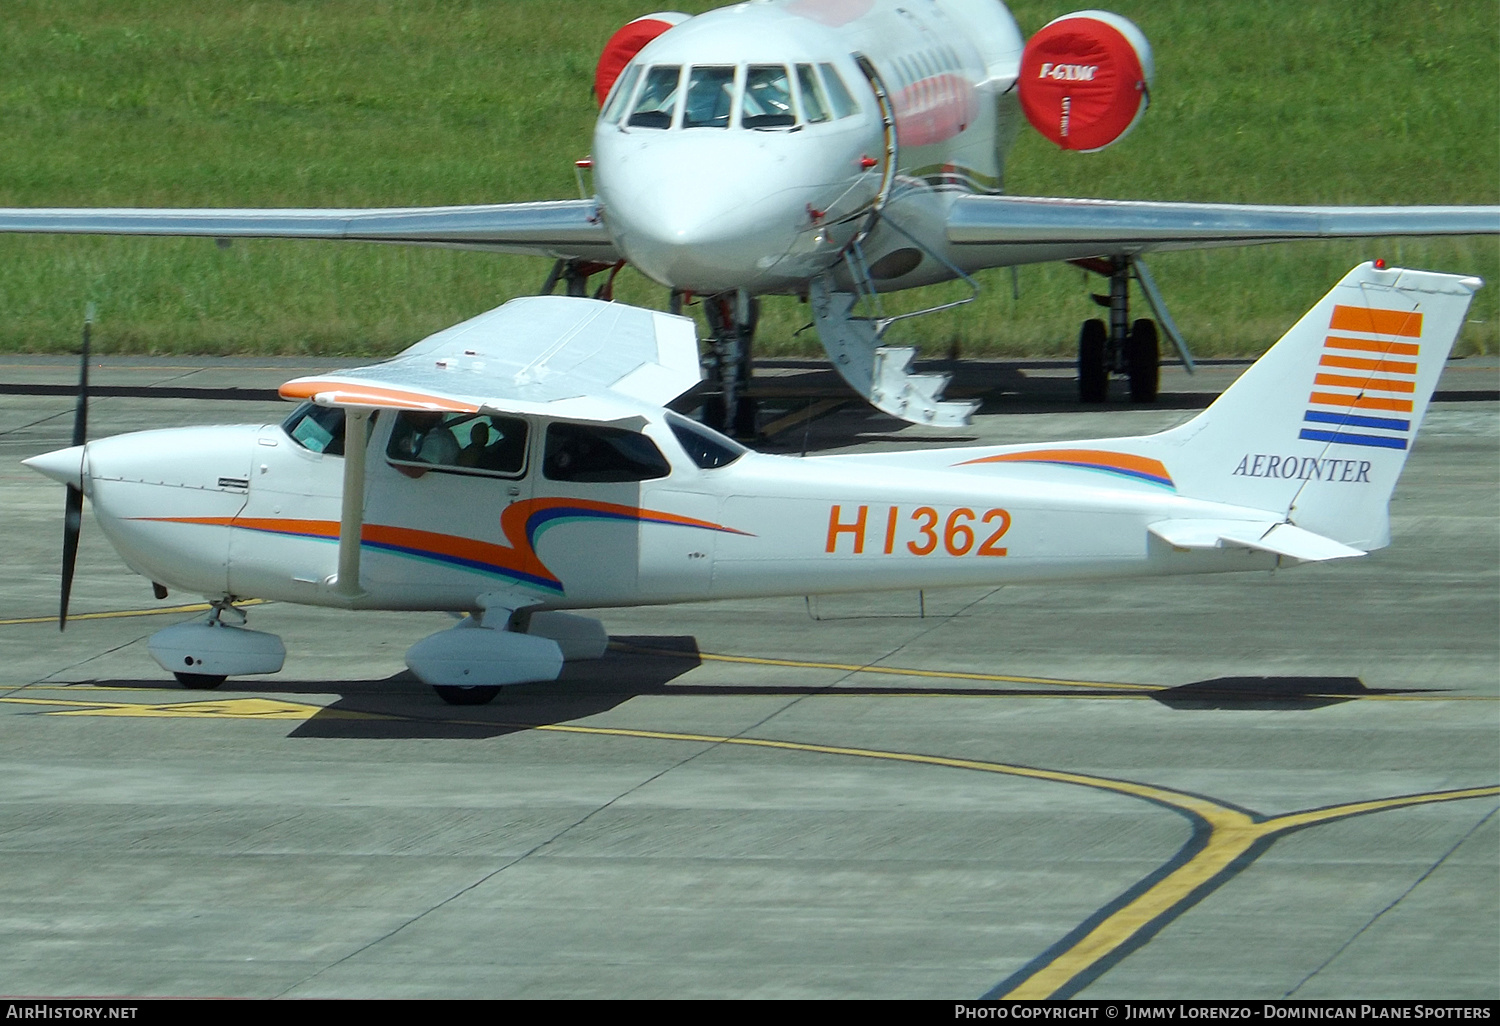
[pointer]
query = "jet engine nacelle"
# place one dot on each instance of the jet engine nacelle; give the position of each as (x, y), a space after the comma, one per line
(1085, 79)
(626, 43)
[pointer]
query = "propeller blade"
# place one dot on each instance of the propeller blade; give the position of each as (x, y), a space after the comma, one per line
(73, 509)
(72, 526)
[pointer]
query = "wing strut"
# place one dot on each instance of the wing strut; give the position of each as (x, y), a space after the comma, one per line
(352, 516)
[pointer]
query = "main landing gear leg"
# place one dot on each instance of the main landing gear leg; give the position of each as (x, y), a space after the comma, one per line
(732, 317)
(1121, 348)
(575, 274)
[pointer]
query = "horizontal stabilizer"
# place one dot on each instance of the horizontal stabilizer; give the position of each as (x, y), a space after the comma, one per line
(1281, 538)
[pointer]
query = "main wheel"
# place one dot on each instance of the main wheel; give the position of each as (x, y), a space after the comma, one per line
(458, 695)
(1143, 361)
(199, 681)
(1093, 375)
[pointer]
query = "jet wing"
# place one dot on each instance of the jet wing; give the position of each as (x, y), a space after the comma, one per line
(1047, 228)
(581, 359)
(558, 229)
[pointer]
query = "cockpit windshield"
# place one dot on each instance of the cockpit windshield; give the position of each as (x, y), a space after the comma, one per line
(768, 98)
(658, 102)
(710, 98)
(756, 96)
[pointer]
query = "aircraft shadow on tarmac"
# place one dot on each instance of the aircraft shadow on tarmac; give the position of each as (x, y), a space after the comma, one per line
(401, 707)
(1269, 693)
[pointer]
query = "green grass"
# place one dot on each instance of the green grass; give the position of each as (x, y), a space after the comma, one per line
(356, 103)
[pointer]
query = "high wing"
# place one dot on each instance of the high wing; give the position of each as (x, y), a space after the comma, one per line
(582, 359)
(558, 229)
(1056, 228)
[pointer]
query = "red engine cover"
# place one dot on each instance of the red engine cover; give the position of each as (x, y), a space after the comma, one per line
(1085, 78)
(625, 44)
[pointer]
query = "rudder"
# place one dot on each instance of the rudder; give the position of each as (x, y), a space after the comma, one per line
(1319, 428)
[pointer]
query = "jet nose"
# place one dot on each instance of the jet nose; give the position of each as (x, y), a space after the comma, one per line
(66, 466)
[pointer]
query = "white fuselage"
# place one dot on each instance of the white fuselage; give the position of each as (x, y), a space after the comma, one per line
(249, 512)
(743, 201)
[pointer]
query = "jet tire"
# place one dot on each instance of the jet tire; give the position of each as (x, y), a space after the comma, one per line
(1093, 374)
(1143, 361)
(459, 695)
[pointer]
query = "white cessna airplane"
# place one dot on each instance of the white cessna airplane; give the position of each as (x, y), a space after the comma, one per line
(521, 464)
(836, 149)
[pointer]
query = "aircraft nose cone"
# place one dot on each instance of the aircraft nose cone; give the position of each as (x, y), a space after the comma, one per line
(62, 465)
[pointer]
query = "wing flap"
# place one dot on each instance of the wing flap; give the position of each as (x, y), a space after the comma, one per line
(1283, 539)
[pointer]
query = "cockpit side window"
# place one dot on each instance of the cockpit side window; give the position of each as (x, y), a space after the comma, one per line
(838, 95)
(462, 442)
(768, 98)
(813, 105)
(658, 101)
(704, 446)
(619, 96)
(710, 98)
(317, 428)
(591, 453)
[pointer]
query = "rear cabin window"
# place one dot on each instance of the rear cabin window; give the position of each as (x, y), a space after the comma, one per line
(704, 446)
(591, 453)
(466, 443)
(317, 428)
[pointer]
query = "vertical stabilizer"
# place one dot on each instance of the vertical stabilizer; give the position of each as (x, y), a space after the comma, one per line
(1319, 428)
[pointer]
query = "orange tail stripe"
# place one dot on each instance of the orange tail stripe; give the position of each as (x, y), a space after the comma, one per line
(1366, 345)
(1361, 402)
(1365, 384)
(1358, 363)
(1376, 322)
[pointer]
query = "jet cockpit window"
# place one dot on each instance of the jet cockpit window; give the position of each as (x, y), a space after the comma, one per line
(658, 101)
(710, 98)
(814, 108)
(838, 95)
(704, 446)
(317, 428)
(768, 98)
(463, 442)
(591, 453)
(619, 96)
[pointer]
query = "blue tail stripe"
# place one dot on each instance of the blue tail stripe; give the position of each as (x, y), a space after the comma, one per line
(1375, 441)
(1350, 420)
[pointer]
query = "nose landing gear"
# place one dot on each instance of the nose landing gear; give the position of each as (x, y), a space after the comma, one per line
(731, 317)
(201, 654)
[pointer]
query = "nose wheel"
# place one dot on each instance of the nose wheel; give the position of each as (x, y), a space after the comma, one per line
(732, 317)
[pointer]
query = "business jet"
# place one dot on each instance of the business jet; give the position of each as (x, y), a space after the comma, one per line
(521, 465)
(838, 150)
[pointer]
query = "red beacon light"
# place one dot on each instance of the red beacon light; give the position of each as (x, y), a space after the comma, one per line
(1380, 263)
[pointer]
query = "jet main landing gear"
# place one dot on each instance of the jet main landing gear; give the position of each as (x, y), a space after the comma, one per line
(1118, 347)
